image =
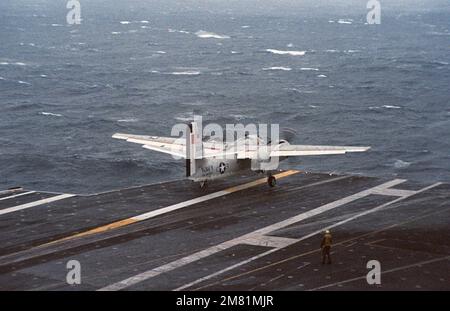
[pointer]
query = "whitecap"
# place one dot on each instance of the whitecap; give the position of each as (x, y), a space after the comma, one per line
(321, 76)
(278, 68)
(240, 117)
(1, 78)
(20, 64)
(292, 53)
(289, 45)
(43, 76)
(391, 107)
(345, 21)
(50, 114)
(161, 52)
(24, 82)
(179, 31)
(331, 51)
(401, 164)
(144, 27)
(145, 22)
(185, 117)
(57, 25)
(185, 73)
(154, 71)
(116, 33)
(125, 22)
(245, 26)
(129, 120)
(309, 69)
(4, 63)
(437, 33)
(206, 35)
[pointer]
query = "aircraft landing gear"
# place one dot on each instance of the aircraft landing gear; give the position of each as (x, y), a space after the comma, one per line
(272, 181)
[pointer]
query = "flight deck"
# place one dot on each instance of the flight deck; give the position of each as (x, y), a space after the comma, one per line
(237, 234)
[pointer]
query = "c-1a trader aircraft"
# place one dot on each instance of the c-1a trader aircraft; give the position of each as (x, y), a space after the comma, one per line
(209, 158)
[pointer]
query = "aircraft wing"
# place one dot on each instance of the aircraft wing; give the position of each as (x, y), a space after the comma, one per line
(308, 150)
(169, 145)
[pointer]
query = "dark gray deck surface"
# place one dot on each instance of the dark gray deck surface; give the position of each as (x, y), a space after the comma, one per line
(217, 244)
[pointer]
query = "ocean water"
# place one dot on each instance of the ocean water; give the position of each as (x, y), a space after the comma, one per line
(140, 67)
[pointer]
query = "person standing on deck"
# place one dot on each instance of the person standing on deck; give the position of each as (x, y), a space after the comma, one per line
(326, 247)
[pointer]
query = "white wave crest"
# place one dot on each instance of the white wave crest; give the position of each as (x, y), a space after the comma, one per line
(309, 69)
(292, 53)
(345, 21)
(130, 120)
(278, 68)
(185, 73)
(50, 114)
(385, 107)
(401, 164)
(391, 107)
(179, 31)
(206, 35)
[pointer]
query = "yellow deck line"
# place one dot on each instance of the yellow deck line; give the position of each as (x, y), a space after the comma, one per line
(151, 214)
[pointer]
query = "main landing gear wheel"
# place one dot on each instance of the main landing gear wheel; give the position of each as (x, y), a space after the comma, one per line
(272, 181)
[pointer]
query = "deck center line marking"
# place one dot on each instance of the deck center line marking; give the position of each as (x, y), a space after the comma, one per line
(171, 208)
(17, 195)
(35, 203)
(249, 237)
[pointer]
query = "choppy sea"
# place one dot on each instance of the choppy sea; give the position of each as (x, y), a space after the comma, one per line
(139, 68)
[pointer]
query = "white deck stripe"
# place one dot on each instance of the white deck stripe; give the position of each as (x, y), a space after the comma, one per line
(373, 210)
(325, 208)
(36, 203)
(164, 210)
(175, 207)
(226, 269)
(17, 195)
(417, 264)
(370, 211)
(242, 240)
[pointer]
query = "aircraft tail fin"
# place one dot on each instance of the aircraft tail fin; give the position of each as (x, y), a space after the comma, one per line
(194, 148)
